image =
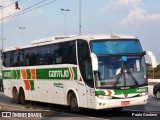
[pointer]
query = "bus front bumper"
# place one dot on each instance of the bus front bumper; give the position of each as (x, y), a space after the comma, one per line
(113, 103)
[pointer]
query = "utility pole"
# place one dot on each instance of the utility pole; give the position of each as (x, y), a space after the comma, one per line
(80, 19)
(1, 34)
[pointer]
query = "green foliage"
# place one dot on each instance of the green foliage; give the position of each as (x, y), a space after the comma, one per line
(150, 71)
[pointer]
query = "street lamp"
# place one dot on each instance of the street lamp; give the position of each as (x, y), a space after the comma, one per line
(22, 28)
(65, 26)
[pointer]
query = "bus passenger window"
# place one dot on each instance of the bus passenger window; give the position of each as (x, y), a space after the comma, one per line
(69, 52)
(16, 58)
(6, 59)
(59, 57)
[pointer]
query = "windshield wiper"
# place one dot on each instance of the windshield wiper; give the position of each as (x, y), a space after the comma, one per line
(122, 72)
(131, 75)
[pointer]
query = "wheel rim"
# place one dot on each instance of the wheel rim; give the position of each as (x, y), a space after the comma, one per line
(73, 103)
(158, 95)
(15, 94)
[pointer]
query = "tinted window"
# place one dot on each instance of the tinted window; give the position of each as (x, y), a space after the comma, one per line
(22, 59)
(59, 53)
(44, 55)
(6, 59)
(69, 52)
(85, 62)
(16, 58)
(115, 46)
(31, 56)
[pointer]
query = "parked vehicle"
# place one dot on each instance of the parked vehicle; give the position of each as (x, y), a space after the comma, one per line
(156, 90)
(1, 84)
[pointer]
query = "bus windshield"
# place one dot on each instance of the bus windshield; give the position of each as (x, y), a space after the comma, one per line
(116, 46)
(120, 63)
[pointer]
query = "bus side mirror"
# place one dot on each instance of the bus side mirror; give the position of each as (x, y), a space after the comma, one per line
(154, 62)
(144, 53)
(153, 58)
(94, 62)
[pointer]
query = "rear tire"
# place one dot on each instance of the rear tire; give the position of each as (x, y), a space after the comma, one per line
(73, 103)
(16, 96)
(22, 97)
(158, 94)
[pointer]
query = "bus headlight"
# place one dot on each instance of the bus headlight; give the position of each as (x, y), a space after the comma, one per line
(142, 94)
(104, 97)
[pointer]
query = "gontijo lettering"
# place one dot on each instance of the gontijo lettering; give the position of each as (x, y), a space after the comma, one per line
(59, 73)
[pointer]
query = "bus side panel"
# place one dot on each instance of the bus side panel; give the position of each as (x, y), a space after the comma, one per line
(7, 88)
(58, 96)
(82, 93)
(42, 91)
(91, 97)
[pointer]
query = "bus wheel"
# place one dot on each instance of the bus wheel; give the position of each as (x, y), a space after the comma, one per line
(22, 97)
(73, 103)
(117, 109)
(16, 96)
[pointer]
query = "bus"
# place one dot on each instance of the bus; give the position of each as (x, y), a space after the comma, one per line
(94, 71)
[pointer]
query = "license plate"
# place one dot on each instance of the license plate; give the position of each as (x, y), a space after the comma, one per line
(125, 102)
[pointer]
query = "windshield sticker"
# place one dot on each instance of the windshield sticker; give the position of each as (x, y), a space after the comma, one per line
(124, 58)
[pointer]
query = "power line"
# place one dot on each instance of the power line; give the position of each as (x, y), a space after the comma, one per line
(27, 9)
(24, 9)
(11, 4)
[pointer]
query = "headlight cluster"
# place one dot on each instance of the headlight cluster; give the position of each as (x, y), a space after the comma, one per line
(104, 97)
(143, 94)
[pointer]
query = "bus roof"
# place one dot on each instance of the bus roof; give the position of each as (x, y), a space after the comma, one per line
(57, 39)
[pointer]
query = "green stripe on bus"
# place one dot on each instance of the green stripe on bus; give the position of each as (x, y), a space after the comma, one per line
(56, 73)
(31, 84)
(124, 91)
(11, 74)
(131, 91)
(75, 72)
(47, 73)
(99, 93)
(28, 73)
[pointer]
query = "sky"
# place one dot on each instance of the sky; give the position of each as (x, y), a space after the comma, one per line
(140, 18)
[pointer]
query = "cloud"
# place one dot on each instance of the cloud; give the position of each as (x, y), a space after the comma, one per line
(136, 15)
(7, 10)
(139, 16)
(118, 4)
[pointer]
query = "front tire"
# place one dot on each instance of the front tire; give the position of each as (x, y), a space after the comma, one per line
(73, 103)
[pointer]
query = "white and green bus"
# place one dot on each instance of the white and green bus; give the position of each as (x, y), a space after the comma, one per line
(93, 71)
